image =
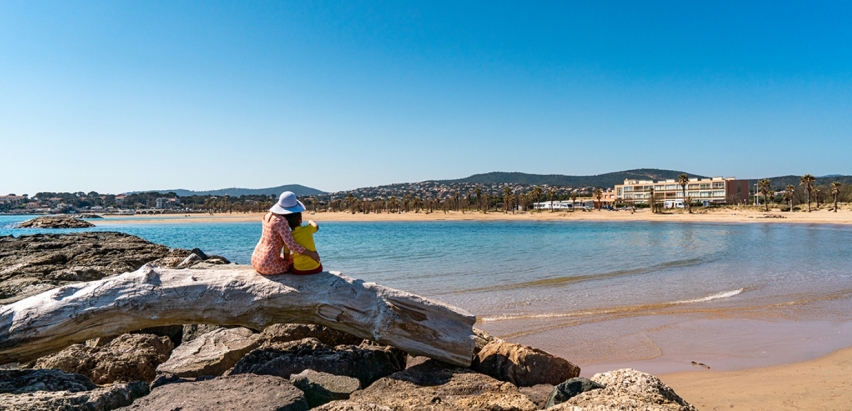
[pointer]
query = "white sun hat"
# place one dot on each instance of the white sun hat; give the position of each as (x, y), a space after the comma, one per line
(287, 204)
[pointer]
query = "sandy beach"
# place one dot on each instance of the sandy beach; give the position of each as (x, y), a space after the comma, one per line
(814, 384)
(820, 384)
(727, 215)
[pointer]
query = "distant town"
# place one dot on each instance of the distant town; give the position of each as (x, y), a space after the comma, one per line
(461, 195)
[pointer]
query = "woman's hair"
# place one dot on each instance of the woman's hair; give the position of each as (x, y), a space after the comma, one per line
(293, 219)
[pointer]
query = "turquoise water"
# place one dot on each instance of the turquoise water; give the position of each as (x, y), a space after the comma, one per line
(541, 282)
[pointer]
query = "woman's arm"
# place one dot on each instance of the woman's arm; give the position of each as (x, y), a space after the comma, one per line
(283, 230)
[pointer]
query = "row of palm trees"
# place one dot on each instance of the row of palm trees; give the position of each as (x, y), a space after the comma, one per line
(807, 181)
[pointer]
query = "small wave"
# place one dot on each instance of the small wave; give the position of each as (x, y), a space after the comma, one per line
(614, 310)
(717, 296)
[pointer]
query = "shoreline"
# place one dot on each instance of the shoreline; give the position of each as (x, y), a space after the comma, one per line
(745, 215)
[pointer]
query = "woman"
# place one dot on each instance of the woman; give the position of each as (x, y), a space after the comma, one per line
(266, 258)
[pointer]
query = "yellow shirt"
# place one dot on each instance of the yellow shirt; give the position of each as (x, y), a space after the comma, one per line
(304, 236)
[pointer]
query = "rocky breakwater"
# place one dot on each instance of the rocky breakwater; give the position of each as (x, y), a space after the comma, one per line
(62, 221)
(31, 264)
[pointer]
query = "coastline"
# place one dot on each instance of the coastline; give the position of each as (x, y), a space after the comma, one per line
(805, 381)
(745, 215)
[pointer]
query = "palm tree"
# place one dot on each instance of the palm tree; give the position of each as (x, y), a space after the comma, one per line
(598, 194)
(765, 186)
(817, 196)
(835, 191)
(573, 196)
(506, 193)
(683, 180)
(550, 194)
(536, 193)
(789, 193)
(652, 201)
(478, 192)
(807, 180)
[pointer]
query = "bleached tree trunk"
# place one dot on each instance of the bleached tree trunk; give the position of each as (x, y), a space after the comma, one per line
(232, 295)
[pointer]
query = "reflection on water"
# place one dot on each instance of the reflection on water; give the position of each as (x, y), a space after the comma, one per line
(542, 282)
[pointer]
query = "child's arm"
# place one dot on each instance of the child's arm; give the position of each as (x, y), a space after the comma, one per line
(314, 225)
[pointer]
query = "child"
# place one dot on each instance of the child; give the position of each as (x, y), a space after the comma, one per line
(304, 236)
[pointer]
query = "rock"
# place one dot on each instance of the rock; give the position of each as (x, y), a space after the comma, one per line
(570, 388)
(98, 399)
(365, 362)
(61, 221)
(626, 389)
(246, 392)
(212, 353)
(351, 406)
(34, 263)
(193, 331)
(436, 387)
(189, 261)
(521, 365)
(129, 357)
(24, 381)
(481, 339)
(321, 388)
(538, 394)
(279, 333)
(89, 216)
(163, 379)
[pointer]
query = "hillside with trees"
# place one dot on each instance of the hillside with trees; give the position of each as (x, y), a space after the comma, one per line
(607, 180)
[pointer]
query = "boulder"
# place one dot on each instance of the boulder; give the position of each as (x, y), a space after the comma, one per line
(481, 339)
(246, 392)
(26, 381)
(281, 333)
(437, 387)
(321, 388)
(365, 362)
(59, 221)
(626, 389)
(569, 389)
(211, 354)
(97, 399)
(521, 365)
(129, 357)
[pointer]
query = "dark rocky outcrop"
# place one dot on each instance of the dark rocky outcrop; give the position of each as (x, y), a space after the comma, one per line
(321, 388)
(436, 387)
(59, 221)
(32, 264)
(26, 381)
(366, 362)
(280, 333)
(245, 392)
(538, 394)
(521, 365)
(212, 353)
(129, 357)
(48, 390)
(569, 389)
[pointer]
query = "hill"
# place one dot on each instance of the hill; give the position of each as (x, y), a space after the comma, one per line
(600, 180)
(298, 189)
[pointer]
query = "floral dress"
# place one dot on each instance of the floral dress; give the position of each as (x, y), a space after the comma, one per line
(266, 258)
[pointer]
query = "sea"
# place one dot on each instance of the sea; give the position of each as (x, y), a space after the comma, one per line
(654, 296)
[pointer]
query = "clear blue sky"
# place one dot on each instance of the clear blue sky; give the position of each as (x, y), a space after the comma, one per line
(121, 95)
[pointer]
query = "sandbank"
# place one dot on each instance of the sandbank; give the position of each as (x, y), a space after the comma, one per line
(726, 215)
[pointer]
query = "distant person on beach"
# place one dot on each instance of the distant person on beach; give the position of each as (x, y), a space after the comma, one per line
(267, 258)
(304, 236)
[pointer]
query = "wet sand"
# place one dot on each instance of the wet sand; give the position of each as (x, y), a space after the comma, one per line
(727, 215)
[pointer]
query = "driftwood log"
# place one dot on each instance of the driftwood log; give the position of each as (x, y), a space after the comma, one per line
(232, 295)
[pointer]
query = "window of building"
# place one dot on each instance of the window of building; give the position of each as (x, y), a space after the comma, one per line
(704, 186)
(719, 193)
(671, 186)
(692, 187)
(626, 189)
(718, 185)
(705, 194)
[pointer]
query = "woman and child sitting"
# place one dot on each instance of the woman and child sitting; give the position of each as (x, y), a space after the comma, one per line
(284, 233)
